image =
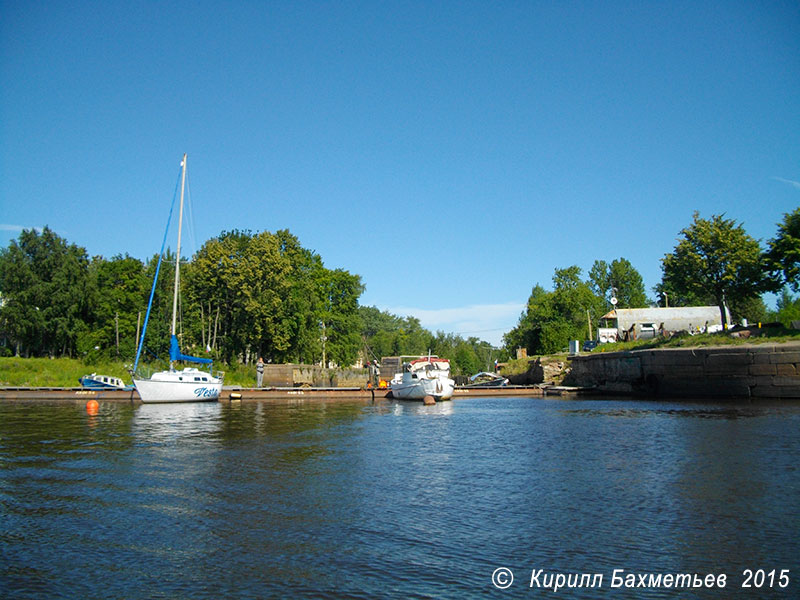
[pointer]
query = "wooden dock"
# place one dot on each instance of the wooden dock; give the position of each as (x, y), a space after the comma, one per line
(234, 393)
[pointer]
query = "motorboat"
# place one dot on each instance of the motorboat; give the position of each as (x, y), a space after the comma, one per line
(103, 382)
(425, 376)
(486, 379)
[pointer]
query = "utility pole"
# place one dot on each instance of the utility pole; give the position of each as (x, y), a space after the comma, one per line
(324, 339)
(138, 324)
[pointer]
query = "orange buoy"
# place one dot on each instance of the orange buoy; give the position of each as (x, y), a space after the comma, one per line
(92, 406)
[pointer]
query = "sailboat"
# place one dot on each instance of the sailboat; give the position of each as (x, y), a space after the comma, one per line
(189, 384)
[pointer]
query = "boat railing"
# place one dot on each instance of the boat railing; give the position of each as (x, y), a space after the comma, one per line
(145, 371)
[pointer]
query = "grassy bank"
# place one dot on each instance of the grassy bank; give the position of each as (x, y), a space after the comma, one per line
(65, 372)
(57, 372)
(776, 335)
(554, 364)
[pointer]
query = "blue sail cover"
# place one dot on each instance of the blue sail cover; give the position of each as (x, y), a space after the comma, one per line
(175, 353)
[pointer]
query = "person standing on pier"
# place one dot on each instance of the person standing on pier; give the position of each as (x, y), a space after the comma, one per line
(259, 371)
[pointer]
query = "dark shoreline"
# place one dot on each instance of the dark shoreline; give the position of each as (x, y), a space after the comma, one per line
(234, 394)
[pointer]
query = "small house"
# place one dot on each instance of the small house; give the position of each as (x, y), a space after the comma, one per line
(639, 323)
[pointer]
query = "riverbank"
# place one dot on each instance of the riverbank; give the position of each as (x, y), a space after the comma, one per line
(66, 372)
(278, 394)
(746, 371)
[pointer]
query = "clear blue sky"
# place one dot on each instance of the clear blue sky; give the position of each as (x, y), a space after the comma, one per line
(453, 154)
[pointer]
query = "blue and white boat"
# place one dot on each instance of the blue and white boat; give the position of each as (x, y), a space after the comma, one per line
(187, 385)
(103, 382)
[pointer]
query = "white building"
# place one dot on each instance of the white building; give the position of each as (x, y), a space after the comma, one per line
(638, 323)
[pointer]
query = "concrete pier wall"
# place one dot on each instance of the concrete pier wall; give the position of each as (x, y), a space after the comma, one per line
(757, 371)
(291, 375)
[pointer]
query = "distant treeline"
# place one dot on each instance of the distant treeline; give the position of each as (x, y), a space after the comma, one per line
(715, 263)
(243, 295)
(246, 295)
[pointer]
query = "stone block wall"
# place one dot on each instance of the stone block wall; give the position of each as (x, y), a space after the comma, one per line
(753, 371)
(290, 375)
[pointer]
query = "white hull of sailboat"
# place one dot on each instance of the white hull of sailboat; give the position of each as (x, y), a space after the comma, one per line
(177, 386)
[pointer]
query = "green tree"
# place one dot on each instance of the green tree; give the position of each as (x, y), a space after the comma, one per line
(715, 258)
(788, 308)
(619, 279)
(576, 304)
(783, 254)
(752, 308)
(340, 319)
(44, 283)
(385, 334)
(552, 319)
(156, 338)
(213, 287)
(465, 360)
(120, 290)
(266, 295)
(529, 332)
(669, 295)
(377, 331)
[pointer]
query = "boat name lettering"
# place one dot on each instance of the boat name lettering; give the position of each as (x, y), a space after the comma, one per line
(205, 392)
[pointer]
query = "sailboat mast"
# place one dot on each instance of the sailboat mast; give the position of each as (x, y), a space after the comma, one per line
(178, 254)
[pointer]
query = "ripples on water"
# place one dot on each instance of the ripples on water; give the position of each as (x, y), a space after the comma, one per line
(389, 500)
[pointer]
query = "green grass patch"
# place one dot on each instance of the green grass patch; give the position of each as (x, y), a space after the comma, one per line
(770, 335)
(54, 372)
(66, 372)
(516, 366)
(767, 335)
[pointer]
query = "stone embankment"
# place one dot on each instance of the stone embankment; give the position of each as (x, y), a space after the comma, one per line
(293, 375)
(752, 371)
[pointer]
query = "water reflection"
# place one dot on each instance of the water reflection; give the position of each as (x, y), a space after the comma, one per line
(418, 408)
(158, 423)
(391, 499)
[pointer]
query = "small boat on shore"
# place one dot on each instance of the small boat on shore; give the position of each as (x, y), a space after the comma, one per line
(103, 382)
(484, 379)
(425, 376)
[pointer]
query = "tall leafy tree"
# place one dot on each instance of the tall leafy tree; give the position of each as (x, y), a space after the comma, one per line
(552, 319)
(120, 290)
(44, 284)
(529, 332)
(788, 308)
(783, 254)
(619, 279)
(385, 334)
(715, 258)
(268, 296)
(213, 287)
(466, 360)
(341, 322)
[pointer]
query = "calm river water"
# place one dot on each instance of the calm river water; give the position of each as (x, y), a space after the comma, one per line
(395, 500)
